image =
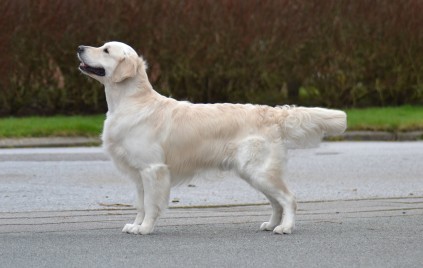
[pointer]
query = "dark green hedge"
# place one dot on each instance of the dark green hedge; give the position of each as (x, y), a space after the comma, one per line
(333, 53)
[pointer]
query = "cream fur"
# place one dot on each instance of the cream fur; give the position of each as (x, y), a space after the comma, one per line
(158, 141)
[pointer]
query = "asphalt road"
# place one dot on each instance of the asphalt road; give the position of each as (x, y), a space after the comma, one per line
(83, 178)
(66, 207)
(362, 233)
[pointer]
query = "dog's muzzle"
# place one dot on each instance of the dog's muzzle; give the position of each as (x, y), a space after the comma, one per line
(99, 71)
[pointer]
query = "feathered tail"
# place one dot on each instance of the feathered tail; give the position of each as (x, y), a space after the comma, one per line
(305, 127)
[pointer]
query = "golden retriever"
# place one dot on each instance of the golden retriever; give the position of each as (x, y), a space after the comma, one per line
(159, 142)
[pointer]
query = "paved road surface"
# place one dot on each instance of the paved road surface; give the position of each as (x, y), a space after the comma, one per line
(81, 178)
(66, 207)
(362, 233)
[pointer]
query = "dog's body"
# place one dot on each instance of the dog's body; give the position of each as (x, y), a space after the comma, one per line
(159, 142)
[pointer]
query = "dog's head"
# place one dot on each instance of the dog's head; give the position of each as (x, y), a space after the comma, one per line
(111, 63)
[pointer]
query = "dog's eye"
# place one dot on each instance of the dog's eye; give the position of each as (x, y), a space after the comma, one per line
(106, 50)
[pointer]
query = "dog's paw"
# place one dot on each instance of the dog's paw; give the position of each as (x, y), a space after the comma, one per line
(280, 229)
(128, 228)
(265, 226)
(137, 229)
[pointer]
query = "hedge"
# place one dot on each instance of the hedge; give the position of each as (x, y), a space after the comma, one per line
(333, 53)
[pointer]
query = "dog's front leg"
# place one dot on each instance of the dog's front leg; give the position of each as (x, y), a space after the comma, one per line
(156, 184)
(131, 228)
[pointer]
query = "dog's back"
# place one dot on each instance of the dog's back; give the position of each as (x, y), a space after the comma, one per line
(203, 136)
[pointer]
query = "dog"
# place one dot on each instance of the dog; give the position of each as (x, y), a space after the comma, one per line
(159, 142)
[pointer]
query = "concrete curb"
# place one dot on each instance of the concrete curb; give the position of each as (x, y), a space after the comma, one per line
(90, 141)
(49, 142)
(379, 136)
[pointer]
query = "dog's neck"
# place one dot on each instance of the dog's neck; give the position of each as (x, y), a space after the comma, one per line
(117, 93)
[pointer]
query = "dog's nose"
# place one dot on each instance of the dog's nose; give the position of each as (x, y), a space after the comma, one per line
(81, 49)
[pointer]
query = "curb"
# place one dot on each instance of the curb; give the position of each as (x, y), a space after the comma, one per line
(49, 142)
(90, 141)
(379, 136)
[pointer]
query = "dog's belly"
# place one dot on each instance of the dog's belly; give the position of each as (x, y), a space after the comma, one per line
(191, 159)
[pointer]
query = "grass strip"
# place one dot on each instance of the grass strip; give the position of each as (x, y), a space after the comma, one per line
(392, 119)
(54, 126)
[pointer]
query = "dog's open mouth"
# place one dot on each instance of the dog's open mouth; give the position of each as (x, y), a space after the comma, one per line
(92, 70)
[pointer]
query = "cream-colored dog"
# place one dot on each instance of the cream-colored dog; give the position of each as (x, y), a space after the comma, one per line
(159, 142)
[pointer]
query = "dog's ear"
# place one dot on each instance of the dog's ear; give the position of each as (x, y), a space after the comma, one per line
(126, 68)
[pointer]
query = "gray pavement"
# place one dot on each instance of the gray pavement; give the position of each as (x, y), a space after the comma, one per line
(361, 233)
(360, 205)
(83, 178)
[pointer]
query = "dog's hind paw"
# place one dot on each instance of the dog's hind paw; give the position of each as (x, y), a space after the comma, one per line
(136, 229)
(265, 226)
(128, 228)
(280, 229)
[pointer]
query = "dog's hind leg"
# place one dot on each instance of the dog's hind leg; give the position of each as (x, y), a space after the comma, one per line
(281, 200)
(275, 187)
(275, 218)
(260, 163)
(156, 186)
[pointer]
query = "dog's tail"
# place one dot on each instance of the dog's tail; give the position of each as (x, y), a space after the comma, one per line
(305, 127)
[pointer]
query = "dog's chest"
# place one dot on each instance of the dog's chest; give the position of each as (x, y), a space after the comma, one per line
(129, 142)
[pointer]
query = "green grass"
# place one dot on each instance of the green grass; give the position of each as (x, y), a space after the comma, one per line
(393, 119)
(55, 126)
